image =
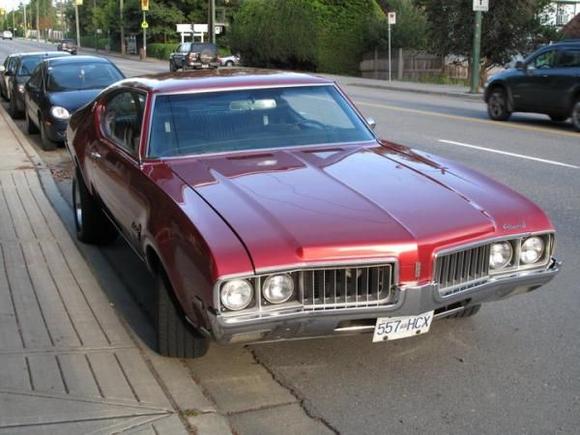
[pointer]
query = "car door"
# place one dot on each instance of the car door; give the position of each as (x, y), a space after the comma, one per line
(115, 163)
(33, 94)
(531, 88)
(567, 81)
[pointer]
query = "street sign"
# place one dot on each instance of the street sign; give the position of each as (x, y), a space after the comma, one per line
(144, 5)
(392, 18)
(144, 24)
(79, 2)
(184, 28)
(200, 28)
(481, 5)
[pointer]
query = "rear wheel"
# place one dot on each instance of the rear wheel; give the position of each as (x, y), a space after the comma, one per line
(558, 118)
(468, 312)
(497, 105)
(92, 226)
(576, 115)
(31, 128)
(175, 337)
(46, 143)
(229, 63)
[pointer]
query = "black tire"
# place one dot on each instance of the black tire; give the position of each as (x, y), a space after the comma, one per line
(576, 115)
(31, 128)
(12, 109)
(45, 142)
(92, 226)
(3, 93)
(176, 338)
(497, 105)
(558, 118)
(229, 63)
(468, 312)
(172, 67)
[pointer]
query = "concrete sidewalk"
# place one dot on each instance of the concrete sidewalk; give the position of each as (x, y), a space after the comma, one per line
(68, 362)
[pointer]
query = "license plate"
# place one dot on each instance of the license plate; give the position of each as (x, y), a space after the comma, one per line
(205, 65)
(393, 328)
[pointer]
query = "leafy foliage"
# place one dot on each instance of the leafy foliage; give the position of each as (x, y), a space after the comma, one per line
(410, 30)
(326, 35)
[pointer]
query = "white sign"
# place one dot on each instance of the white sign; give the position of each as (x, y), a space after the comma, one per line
(200, 28)
(184, 28)
(392, 18)
(481, 5)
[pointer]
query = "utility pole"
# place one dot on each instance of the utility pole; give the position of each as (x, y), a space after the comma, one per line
(37, 21)
(211, 30)
(77, 23)
(25, 24)
(122, 27)
(479, 6)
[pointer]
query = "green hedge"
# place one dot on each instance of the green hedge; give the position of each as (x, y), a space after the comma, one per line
(92, 42)
(324, 35)
(160, 50)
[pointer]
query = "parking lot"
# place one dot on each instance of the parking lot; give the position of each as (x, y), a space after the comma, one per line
(513, 368)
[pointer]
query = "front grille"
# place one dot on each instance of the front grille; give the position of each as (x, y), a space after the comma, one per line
(462, 270)
(336, 288)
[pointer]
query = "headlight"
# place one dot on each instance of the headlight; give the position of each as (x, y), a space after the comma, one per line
(237, 294)
(500, 255)
(20, 88)
(277, 289)
(532, 250)
(59, 112)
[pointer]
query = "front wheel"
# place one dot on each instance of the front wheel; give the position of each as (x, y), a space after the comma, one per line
(13, 109)
(172, 67)
(45, 141)
(92, 226)
(31, 128)
(176, 338)
(497, 106)
(576, 115)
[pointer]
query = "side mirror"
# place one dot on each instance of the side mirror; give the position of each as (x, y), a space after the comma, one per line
(521, 66)
(372, 123)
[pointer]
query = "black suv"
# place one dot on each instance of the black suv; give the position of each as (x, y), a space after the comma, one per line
(548, 82)
(194, 55)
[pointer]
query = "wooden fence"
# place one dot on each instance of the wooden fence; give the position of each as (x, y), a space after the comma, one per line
(409, 65)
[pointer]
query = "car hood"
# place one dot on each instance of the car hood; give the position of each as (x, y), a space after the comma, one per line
(291, 207)
(72, 100)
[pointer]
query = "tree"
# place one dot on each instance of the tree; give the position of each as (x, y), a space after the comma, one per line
(410, 30)
(509, 28)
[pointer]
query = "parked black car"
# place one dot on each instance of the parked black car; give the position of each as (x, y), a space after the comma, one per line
(548, 82)
(194, 55)
(6, 75)
(58, 87)
(68, 45)
(23, 67)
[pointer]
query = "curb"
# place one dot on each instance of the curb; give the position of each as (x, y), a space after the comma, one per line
(464, 96)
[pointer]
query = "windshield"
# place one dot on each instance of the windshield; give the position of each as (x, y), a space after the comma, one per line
(252, 119)
(80, 76)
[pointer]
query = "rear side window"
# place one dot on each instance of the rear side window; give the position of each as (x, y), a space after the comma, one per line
(122, 119)
(569, 58)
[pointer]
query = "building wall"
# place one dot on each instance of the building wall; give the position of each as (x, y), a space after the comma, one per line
(562, 11)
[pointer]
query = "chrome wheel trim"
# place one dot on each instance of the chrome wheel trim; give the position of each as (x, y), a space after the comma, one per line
(496, 105)
(77, 206)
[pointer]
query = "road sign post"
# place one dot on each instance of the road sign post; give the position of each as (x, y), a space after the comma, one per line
(392, 20)
(144, 26)
(479, 6)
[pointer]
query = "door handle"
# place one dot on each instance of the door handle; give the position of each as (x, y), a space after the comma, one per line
(95, 155)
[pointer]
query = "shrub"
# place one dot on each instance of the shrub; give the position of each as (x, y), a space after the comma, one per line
(324, 35)
(160, 50)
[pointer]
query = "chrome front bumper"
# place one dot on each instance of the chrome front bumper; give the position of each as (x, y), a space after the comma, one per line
(411, 301)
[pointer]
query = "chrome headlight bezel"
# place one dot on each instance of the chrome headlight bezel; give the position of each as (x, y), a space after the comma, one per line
(60, 113)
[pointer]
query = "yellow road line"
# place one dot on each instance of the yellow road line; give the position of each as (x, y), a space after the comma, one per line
(474, 120)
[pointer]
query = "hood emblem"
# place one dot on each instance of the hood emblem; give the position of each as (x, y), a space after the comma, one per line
(511, 227)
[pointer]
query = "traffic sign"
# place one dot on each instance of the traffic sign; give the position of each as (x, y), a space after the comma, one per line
(144, 5)
(392, 18)
(144, 24)
(481, 5)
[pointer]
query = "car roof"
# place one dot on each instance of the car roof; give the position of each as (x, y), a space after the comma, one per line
(43, 53)
(566, 42)
(76, 59)
(213, 79)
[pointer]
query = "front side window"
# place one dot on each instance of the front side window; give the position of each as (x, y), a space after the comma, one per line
(122, 119)
(250, 119)
(545, 60)
(81, 76)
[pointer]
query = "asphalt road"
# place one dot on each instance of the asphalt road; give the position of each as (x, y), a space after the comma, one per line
(513, 368)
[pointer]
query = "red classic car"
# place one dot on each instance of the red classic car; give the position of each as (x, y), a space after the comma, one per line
(268, 209)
